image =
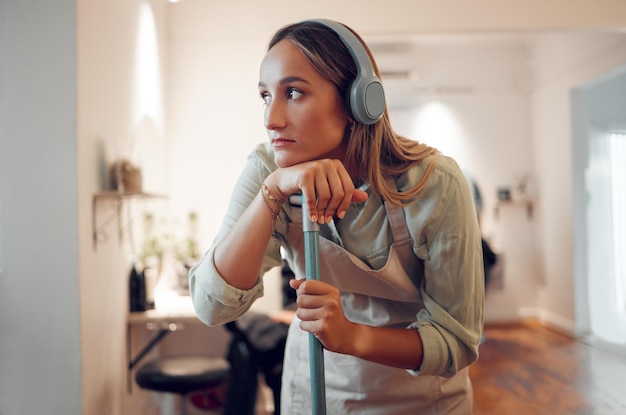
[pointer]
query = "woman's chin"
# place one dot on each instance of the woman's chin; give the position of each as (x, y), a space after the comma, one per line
(280, 163)
(284, 162)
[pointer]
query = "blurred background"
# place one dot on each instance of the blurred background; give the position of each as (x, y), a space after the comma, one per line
(529, 98)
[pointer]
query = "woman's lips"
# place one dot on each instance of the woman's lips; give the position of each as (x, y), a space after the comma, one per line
(281, 142)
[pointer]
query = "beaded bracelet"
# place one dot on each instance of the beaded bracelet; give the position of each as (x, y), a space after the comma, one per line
(267, 197)
(266, 191)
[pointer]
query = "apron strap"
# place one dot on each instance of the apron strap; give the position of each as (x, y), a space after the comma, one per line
(396, 217)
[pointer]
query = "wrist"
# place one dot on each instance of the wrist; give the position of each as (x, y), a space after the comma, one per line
(271, 185)
(357, 340)
(272, 196)
(274, 205)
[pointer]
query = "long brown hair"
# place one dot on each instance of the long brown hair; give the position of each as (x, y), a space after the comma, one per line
(374, 151)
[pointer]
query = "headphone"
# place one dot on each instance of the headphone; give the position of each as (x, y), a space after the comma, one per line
(366, 97)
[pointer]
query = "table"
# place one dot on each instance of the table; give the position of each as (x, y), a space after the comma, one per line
(171, 314)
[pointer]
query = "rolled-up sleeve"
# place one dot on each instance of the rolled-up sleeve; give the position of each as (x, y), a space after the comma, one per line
(451, 322)
(215, 301)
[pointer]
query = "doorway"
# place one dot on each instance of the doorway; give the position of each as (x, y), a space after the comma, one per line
(606, 228)
(599, 155)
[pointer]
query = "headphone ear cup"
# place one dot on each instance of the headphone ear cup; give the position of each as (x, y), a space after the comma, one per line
(366, 100)
(366, 97)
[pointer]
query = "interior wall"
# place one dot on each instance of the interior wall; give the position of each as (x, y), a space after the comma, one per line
(40, 350)
(580, 155)
(459, 86)
(561, 65)
(215, 118)
(115, 122)
(248, 19)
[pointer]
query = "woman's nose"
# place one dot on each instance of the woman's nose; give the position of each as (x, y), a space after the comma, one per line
(274, 115)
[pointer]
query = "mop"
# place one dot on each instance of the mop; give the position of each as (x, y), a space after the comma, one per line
(316, 351)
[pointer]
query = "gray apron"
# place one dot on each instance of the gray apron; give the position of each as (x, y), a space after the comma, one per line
(378, 297)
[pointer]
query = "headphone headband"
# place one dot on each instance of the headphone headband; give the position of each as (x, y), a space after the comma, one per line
(366, 96)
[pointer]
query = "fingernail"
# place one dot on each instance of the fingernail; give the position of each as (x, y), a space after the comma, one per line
(329, 219)
(341, 214)
(313, 218)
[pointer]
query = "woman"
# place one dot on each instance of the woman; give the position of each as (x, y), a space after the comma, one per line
(399, 308)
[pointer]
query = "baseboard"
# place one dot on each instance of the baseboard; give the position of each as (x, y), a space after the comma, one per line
(549, 319)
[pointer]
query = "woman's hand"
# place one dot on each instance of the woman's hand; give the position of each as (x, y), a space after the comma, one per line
(326, 185)
(321, 313)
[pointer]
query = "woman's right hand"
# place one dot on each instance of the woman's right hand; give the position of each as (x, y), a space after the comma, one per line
(326, 185)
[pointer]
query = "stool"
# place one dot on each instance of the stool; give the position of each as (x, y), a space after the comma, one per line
(182, 375)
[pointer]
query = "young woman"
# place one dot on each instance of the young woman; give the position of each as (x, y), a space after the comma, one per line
(399, 308)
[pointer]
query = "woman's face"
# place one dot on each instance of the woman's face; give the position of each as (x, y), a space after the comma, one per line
(304, 117)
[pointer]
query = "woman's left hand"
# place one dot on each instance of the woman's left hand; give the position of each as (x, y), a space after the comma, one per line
(321, 313)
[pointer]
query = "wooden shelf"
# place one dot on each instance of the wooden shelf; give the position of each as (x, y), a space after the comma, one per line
(527, 203)
(113, 195)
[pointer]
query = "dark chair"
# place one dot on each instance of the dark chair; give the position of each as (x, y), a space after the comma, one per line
(237, 372)
(243, 385)
(257, 347)
(183, 375)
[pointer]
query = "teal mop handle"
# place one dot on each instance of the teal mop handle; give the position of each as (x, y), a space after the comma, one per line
(316, 351)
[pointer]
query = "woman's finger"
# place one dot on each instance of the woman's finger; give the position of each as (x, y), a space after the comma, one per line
(323, 194)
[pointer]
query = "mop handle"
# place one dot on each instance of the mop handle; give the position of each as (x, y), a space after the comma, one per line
(316, 351)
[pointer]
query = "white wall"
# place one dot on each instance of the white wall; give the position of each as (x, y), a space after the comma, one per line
(471, 100)
(562, 65)
(40, 338)
(113, 67)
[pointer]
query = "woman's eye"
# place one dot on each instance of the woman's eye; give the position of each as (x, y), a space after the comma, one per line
(293, 93)
(266, 98)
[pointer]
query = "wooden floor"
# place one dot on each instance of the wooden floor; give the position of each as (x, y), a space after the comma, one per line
(527, 369)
